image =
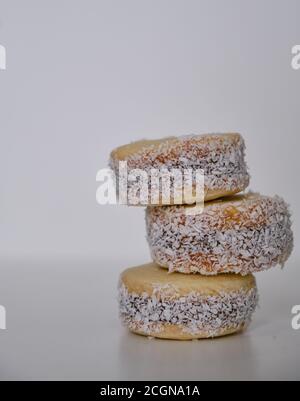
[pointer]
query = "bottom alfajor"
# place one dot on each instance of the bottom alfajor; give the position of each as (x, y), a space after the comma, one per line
(178, 306)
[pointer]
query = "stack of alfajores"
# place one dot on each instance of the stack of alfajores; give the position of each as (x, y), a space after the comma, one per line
(200, 283)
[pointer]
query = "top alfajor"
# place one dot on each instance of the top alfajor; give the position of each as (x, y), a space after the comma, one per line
(219, 156)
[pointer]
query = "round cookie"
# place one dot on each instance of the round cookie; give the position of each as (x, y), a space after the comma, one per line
(239, 234)
(155, 303)
(219, 156)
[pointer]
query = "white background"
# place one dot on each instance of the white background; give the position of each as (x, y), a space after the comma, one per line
(84, 77)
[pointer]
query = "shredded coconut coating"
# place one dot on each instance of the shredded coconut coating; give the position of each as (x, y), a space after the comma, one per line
(248, 235)
(222, 160)
(195, 313)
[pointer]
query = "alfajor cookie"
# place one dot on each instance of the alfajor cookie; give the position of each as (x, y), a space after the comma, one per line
(220, 157)
(239, 234)
(176, 306)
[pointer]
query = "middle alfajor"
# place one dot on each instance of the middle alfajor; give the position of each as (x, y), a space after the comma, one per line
(239, 234)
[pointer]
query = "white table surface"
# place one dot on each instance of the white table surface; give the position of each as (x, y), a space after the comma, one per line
(62, 323)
